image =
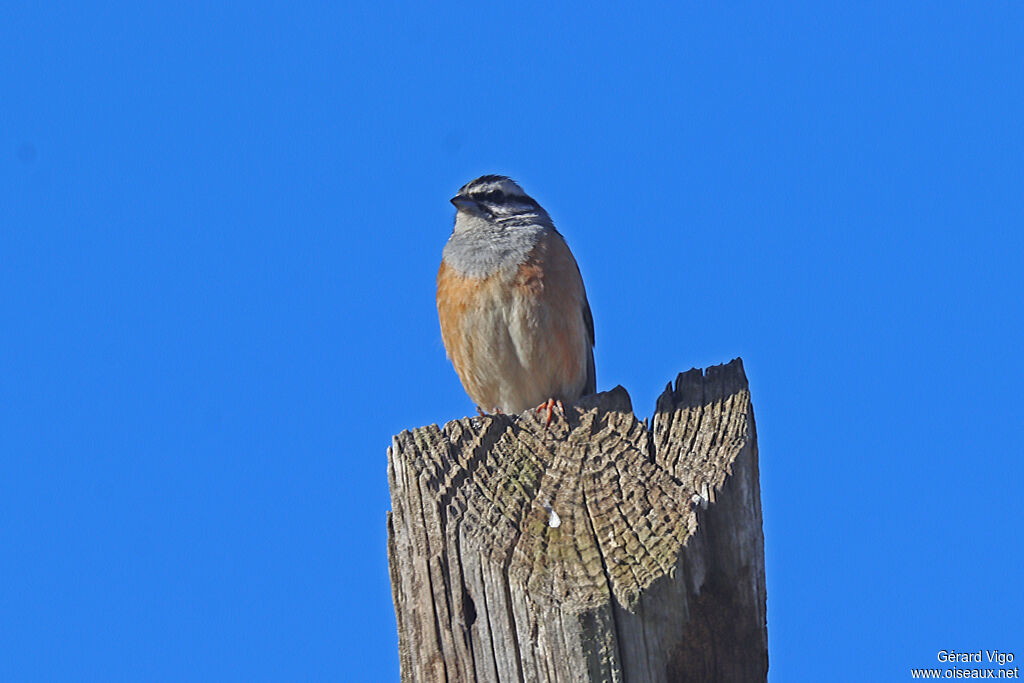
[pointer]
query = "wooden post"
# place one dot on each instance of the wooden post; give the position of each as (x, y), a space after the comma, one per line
(594, 549)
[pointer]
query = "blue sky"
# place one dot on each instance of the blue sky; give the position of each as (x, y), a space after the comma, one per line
(219, 232)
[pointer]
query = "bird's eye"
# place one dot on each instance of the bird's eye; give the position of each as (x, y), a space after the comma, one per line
(493, 197)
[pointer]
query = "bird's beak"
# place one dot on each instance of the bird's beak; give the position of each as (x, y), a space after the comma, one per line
(462, 202)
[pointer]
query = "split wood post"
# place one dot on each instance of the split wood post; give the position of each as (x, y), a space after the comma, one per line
(593, 549)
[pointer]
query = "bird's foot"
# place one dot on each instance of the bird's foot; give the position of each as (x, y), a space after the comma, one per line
(549, 405)
(481, 413)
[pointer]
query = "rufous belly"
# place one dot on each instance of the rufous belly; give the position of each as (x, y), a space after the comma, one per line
(517, 337)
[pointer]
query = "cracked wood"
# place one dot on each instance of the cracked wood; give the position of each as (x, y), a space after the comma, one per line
(654, 571)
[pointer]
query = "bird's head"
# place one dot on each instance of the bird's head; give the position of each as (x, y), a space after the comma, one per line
(496, 199)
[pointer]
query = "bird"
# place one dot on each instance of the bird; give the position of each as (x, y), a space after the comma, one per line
(515, 319)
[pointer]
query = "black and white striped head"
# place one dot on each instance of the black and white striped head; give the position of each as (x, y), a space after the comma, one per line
(497, 225)
(497, 198)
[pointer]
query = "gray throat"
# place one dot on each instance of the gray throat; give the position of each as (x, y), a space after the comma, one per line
(479, 248)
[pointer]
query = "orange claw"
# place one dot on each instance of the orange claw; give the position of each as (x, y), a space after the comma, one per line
(481, 413)
(549, 405)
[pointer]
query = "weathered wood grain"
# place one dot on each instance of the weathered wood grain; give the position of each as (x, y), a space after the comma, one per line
(593, 549)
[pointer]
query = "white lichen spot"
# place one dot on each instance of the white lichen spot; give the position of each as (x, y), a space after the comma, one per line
(554, 521)
(703, 498)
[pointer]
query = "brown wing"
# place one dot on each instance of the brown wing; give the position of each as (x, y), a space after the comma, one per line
(591, 386)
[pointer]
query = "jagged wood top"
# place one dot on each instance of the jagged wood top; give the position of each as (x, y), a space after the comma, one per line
(624, 498)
